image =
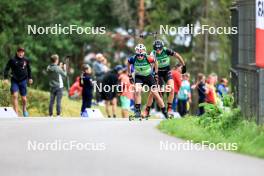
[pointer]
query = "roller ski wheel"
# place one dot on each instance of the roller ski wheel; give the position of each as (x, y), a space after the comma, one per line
(145, 117)
(170, 116)
(131, 118)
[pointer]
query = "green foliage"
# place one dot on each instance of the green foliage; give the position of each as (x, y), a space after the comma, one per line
(4, 100)
(248, 136)
(218, 117)
(217, 125)
(15, 15)
(228, 101)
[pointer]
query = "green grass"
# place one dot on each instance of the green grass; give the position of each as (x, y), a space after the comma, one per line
(38, 102)
(248, 136)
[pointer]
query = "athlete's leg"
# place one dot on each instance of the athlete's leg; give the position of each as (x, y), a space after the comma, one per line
(170, 90)
(160, 102)
(149, 104)
(158, 98)
(150, 97)
(138, 89)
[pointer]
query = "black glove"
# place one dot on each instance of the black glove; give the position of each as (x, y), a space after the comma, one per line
(131, 79)
(184, 69)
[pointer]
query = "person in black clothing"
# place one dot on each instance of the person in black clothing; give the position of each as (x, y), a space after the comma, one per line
(110, 96)
(21, 74)
(87, 92)
(201, 87)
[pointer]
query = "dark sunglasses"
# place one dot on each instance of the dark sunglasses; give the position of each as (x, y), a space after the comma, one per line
(158, 49)
(140, 55)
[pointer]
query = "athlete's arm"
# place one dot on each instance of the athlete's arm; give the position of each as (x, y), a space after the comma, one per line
(129, 63)
(179, 57)
(175, 54)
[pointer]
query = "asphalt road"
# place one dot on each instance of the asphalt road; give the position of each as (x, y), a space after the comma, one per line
(112, 147)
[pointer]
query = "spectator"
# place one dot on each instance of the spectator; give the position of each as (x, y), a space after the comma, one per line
(184, 95)
(56, 74)
(99, 69)
(210, 89)
(126, 96)
(201, 87)
(87, 91)
(21, 73)
(222, 88)
(110, 80)
(105, 64)
(176, 76)
(75, 90)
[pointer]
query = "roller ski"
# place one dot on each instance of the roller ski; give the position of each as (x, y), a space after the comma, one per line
(170, 113)
(136, 116)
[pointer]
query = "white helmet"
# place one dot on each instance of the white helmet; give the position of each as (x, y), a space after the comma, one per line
(140, 49)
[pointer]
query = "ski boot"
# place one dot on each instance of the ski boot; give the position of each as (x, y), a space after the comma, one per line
(146, 113)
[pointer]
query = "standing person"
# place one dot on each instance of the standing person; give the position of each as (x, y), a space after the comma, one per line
(184, 95)
(201, 88)
(126, 95)
(21, 74)
(143, 76)
(211, 96)
(110, 80)
(162, 55)
(99, 70)
(87, 89)
(56, 74)
(177, 79)
(222, 88)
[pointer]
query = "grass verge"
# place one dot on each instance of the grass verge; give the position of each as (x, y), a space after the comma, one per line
(248, 136)
(38, 102)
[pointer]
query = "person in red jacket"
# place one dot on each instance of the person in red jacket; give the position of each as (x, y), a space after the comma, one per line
(75, 90)
(177, 78)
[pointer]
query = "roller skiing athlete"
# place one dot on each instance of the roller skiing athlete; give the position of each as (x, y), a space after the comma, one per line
(162, 55)
(143, 76)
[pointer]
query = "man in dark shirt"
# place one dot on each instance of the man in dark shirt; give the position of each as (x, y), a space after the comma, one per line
(201, 87)
(21, 73)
